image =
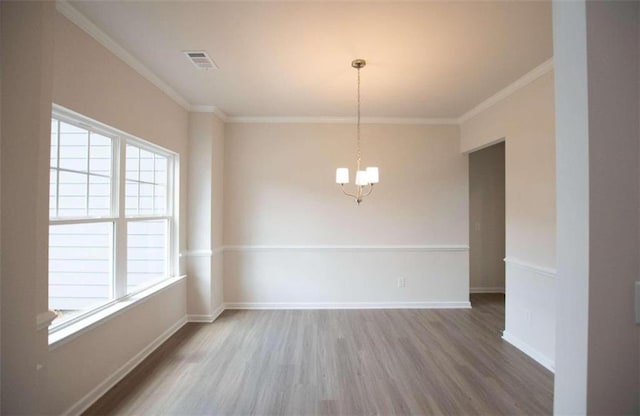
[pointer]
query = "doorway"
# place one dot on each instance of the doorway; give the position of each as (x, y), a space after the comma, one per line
(487, 224)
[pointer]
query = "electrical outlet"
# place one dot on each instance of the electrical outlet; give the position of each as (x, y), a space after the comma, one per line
(401, 282)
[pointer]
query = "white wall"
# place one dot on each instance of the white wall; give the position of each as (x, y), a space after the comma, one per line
(525, 120)
(487, 219)
(282, 203)
(199, 221)
(90, 80)
(597, 99)
(217, 215)
(204, 257)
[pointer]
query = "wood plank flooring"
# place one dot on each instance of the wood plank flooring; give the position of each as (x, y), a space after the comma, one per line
(338, 362)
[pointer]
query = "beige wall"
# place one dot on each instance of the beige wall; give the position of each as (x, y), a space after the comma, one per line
(92, 359)
(612, 379)
(487, 219)
(597, 103)
(525, 120)
(90, 80)
(27, 45)
(280, 191)
(280, 185)
(1, 59)
(204, 257)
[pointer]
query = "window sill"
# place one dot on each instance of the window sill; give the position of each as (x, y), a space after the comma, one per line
(66, 334)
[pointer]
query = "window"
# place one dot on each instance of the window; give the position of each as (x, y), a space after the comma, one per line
(112, 222)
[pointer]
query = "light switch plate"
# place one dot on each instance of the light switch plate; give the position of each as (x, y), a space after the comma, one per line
(637, 303)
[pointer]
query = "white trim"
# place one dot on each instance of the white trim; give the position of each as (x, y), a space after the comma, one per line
(44, 319)
(522, 82)
(64, 334)
(484, 145)
(200, 318)
(376, 248)
(542, 271)
(98, 391)
(198, 253)
(203, 253)
(207, 318)
(486, 290)
(347, 305)
(80, 20)
(343, 120)
(210, 109)
(542, 359)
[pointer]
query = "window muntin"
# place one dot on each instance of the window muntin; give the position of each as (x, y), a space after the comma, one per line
(80, 181)
(147, 178)
(103, 248)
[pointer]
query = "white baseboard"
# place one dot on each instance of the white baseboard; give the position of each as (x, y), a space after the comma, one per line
(486, 290)
(542, 359)
(348, 305)
(91, 397)
(206, 318)
(200, 318)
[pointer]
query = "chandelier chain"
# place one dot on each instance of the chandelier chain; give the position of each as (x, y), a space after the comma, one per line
(358, 123)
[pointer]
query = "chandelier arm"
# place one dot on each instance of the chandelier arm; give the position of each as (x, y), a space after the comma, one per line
(347, 193)
(368, 191)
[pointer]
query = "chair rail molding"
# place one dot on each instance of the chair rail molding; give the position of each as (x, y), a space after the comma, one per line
(363, 248)
(543, 271)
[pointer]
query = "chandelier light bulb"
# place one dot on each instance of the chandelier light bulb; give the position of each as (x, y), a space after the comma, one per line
(361, 178)
(342, 176)
(373, 175)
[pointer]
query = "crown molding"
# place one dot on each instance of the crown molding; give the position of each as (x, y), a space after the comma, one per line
(210, 109)
(344, 120)
(522, 82)
(80, 20)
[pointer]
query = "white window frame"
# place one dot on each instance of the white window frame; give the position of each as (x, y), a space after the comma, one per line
(118, 217)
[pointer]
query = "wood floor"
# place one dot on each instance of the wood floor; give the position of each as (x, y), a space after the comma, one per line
(338, 362)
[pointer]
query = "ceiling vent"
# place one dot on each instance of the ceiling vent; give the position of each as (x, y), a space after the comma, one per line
(201, 60)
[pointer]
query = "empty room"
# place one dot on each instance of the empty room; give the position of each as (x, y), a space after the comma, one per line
(319, 207)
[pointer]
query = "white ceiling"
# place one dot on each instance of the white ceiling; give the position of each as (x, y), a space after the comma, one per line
(292, 59)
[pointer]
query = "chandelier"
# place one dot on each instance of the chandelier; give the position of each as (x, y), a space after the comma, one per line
(364, 178)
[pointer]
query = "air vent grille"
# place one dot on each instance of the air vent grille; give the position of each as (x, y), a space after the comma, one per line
(201, 60)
